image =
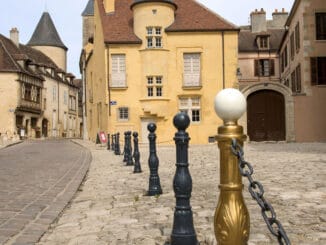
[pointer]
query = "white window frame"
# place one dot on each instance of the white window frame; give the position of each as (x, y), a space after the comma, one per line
(123, 114)
(154, 86)
(191, 69)
(154, 37)
(118, 71)
(191, 106)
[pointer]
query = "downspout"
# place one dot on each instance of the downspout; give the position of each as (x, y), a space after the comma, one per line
(223, 61)
(85, 133)
(58, 131)
(108, 78)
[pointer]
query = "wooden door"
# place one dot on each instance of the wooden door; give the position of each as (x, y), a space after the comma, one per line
(266, 116)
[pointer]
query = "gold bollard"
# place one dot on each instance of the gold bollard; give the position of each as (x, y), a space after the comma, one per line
(231, 221)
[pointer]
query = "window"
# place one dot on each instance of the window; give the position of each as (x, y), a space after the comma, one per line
(285, 56)
(72, 103)
(191, 106)
(118, 75)
(191, 69)
(297, 37)
(318, 70)
(292, 46)
(154, 86)
(264, 68)
(154, 37)
(321, 26)
(65, 97)
(54, 93)
(123, 114)
(296, 80)
(263, 42)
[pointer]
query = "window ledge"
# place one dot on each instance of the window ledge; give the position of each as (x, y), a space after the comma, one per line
(154, 99)
(320, 85)
(299, 94)
(119, 88)
(154, 49)
(192, 87)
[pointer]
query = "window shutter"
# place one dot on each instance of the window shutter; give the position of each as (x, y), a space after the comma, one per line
(271, 68)
(191, 69)
(257, 68)
(118, 70)
(313, 70)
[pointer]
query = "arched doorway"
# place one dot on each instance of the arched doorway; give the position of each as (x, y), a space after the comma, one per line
(45, 127)
(266, 116)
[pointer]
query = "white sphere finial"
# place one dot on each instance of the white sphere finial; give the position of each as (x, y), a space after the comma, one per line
(230, 104)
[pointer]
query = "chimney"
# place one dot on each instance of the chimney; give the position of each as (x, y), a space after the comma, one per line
(279, 18)
(109, 6)
(14, 36)
(258, 21)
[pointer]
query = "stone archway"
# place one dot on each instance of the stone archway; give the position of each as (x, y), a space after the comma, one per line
(280, 89)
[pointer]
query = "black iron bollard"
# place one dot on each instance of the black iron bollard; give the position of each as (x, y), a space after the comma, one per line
(136, 155)
(125, 151)
(130, 162)
(117, 145)
(108, 142)
(153, 162)
(112, 142)
(183, 232)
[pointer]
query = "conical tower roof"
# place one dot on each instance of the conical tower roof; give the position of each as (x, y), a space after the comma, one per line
(89, 10)
(46, 34)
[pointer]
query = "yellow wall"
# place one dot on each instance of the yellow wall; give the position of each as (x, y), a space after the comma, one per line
(167, 62)
(58, 55)
(9, 94)
(96, 83)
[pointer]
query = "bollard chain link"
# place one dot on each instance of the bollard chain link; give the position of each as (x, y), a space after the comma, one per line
(256, 190)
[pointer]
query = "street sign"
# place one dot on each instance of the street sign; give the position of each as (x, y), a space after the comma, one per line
(113, 102)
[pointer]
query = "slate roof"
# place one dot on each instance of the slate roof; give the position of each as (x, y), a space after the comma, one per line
(46, 34)
(190, 16)
(89, 10)
(247, 40)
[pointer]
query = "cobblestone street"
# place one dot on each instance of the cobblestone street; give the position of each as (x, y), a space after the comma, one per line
(110, 206)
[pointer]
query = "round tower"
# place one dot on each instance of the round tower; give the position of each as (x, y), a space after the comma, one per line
(46, 39)
(150, 16)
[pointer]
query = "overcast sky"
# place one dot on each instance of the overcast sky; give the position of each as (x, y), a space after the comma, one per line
(66, 15)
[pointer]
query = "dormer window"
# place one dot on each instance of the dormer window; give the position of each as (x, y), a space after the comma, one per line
(263, 42)
(154, 37)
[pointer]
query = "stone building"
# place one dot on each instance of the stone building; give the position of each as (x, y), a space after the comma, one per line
(37, 95)
(282, 73)
(148, 60)
(303, 67)
(269, 114)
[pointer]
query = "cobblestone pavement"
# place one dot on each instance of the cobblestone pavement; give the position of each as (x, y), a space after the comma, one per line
(110, 207)
(37, 180)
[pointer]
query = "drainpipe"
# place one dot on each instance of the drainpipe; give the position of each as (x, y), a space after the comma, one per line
(85, 133)
(223, 61)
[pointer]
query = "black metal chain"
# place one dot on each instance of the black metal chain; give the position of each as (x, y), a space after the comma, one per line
(257, 191)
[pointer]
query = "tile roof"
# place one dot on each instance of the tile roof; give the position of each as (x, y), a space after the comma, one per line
(190, 16)
(247, 40)
(46, 34)
(10, 55)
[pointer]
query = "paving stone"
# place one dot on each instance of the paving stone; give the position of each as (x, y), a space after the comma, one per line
(111, 208)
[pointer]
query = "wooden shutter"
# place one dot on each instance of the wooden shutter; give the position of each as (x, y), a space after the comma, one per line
(191, 67)
(271, 67)
(118, 75)
(313, 70)
(256, 68)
